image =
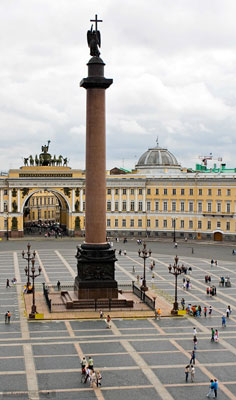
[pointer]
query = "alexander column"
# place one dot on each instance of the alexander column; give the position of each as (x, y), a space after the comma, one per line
(95, 258)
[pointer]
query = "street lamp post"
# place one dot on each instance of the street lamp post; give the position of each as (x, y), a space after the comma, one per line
(144, 254)
(33, 276)
(176, 271)
(7, 227)
(28, 256)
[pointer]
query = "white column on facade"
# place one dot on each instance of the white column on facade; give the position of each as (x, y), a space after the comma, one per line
(73, 200)
(136, 199)
(81, 200)
(18, 200)
(120, 200)
(144, 200)
(1, 201)
(9, 205)
(112, 199)
(128, 202)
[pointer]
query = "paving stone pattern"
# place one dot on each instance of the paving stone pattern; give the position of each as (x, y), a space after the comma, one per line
(138, 358)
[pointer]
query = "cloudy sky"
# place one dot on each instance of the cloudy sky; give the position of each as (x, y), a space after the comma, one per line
(173, 63)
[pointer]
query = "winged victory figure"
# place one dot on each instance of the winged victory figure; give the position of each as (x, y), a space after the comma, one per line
(94, 40)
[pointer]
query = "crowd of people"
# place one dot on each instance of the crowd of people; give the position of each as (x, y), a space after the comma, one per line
(88, 374)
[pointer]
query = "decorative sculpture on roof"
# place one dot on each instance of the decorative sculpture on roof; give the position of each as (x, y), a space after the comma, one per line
(94, 38)
(45, 159)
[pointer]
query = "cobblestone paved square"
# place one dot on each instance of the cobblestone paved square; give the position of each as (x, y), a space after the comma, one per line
(138, 358)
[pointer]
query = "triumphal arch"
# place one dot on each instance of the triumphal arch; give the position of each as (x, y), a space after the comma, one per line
(40, 178)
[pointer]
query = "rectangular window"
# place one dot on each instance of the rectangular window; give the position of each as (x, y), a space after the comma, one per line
(84, 191)
(190, 224)
(156, 223)
(5, 206)
(123, 223)
(219, 192)
(182, 192)
(228, 192)
(109, 191)
(208, 224)
(124, 205)
(148, 206)
(209, 207)
(148, 191)
(131, 191)
(139, 223)
(140, 205)
(5, 192)
(33, 215)
(45, 214)
(124, 191)
(209, 192)
(218, 207)
(108, 222)
(218, 224)
(132, 223)
(182, 206)
(174, 192)
(45, 200)
(191, 192)
(200, 192)
(148, 223)
(228, 207)
(156, 205)
(173, 205)
(116, 223)
(140, 191)
(49, 215)
(182, 223)
(52, 214)
(116, 205)
(165, 192)
(199, 224)
(83, 205)
(199, 206)
(132, 205)
(165, 205)
(165, 223)
(157, 191)
(228, 226)
(117, 191)
(190, 206)
(108, 206)
(5, 223)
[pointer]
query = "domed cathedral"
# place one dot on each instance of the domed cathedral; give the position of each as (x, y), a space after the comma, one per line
(158, 198)
(157, 160)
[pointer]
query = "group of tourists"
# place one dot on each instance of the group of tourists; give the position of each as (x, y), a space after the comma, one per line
(89, 374)
(224, 281)
(214, 262)
(214, 335)
(211, 290)
(7, 317)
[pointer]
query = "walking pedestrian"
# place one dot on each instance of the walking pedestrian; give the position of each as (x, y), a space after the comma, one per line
(223, 322)
(216, 337)
(193, 357)
(187, 370)
(90, 363)
(227, 312)
(215, 387)
(8, 317)
(192, 372)
(8, 283)
(133, 269)
(212, 262)
(212, 334)
(212, 387)
(101, 314)
(99, 378)
(205, 311)
(194, 331)
(58, 285)
(183, 303)
(83, 364)
(108, 321)
(159, 313)
(210, 310)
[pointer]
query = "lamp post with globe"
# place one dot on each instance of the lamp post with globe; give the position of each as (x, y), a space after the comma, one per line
(176, 271)
(144, 254)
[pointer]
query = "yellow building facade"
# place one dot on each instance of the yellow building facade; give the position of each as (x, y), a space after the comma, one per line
(158, 198)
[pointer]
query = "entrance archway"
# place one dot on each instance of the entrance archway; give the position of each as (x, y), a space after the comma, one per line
(45, 212)
(218, 237)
